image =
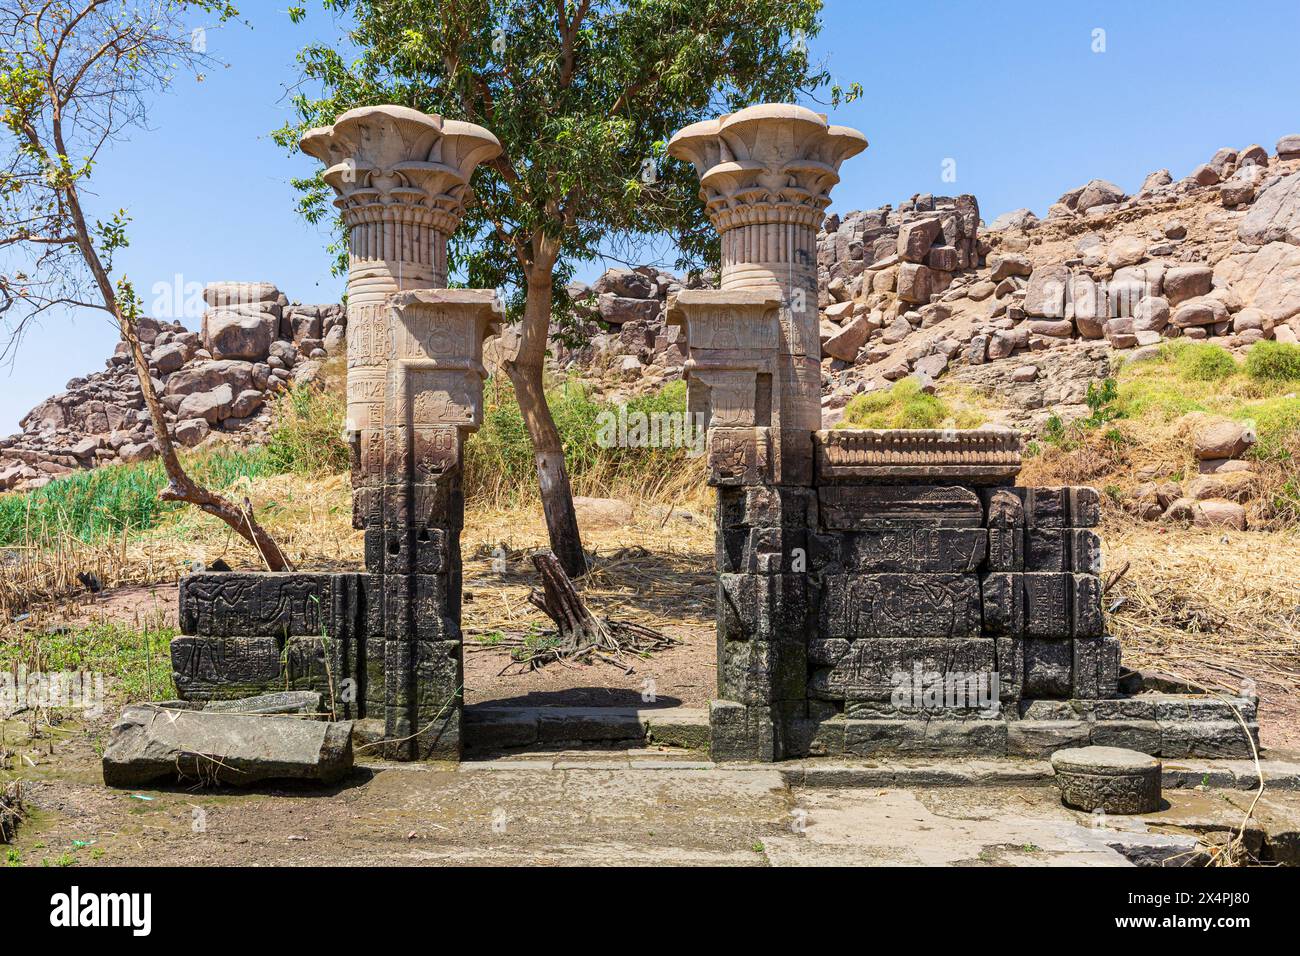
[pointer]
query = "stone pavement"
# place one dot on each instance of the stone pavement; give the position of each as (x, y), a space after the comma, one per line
(621, 807)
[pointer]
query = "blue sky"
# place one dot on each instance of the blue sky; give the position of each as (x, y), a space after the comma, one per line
(1012, 92)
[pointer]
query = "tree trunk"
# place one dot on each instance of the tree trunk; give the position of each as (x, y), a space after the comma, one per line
(560, 601)
(180, 486)
(525, 371)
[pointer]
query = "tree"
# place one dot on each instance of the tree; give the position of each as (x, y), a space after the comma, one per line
(74, 78)
(583, 95)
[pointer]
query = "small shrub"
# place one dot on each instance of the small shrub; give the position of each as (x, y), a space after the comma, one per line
(90, 505)
(1273, 362)
(499, 457)
(1203, 362)
(308, 434)
(905, 405)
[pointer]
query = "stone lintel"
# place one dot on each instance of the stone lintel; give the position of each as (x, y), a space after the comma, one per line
(930, 455)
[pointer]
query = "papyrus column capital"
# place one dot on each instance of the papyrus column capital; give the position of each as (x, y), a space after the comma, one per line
(775, 163)
(396, 162)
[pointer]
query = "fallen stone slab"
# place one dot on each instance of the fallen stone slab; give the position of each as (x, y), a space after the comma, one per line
(1108, 778)
(284, 702)
(149, 743)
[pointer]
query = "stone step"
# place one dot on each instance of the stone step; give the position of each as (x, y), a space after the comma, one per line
(490, 728)
(1281, 775)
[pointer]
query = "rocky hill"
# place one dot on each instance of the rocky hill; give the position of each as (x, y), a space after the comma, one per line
(1029, 309)
(215, 385)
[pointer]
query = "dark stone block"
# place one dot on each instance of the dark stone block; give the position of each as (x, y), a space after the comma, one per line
(1048, 667)
(225, 668)
(1003, 603)
(1006, 530)
(762, 550)
(1010, 658)
(1140, 735)
(307, 664)
(1207, 738)
(435, 451)
(1047, 604)
(900, 605)
(739, 457)
(1045, 550)
(1087, 618)
(880, 670)
(767, 507)
(367, 507)
(867, 507)
(437, 551)
(416, 608)
(929, 550)
(1085, 551)
(867, 738)
(1085, 507)
(1046, 507)
(232, 605)
(762, 607)
(1096, 667)
(437, 693)
(740, 733)
(438, 504)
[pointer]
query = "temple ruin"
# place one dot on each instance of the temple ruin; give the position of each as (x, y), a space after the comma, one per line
(878, 592)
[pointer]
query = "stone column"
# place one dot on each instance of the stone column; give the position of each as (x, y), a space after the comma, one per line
(401, 178)
(434, 401)
(415, 391)
(766, 173)
(754, 370)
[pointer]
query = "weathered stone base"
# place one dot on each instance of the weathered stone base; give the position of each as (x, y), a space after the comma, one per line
(1109, 779)
(1163, 725)
(251, 634)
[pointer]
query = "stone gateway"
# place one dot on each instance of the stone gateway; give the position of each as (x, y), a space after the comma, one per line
(878, 592)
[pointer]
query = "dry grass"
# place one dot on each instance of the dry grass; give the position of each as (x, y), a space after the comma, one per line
(1219, 607)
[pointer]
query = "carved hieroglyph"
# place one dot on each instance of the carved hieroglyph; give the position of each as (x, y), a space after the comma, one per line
(766, 173)
(434, 395)
(402, 179)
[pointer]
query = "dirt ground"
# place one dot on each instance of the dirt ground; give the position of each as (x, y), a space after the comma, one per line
(584, 809)
(658, 571)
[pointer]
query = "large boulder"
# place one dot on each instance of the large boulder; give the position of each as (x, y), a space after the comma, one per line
(240, 332)
(1015, 219)
(1221, 438)
(211, 406)
(626, 284)
(915, 283)
(1045, 295)
(166, 359)
(915, 239)
(1098, 192)
(205, 376)
(844, 344)
(150, 743)
(1266, 279)
(219, 294)
(1202, 310)
(1275, 216)
(1007, 264)
(1186, 282)
(617, 309)
(1219, 513)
